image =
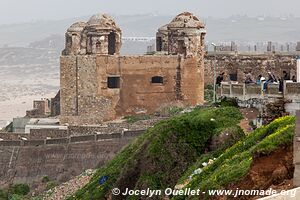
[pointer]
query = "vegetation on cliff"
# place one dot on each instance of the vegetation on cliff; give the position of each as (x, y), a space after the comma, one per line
(167, 154)
(158, 158)
(233, 164)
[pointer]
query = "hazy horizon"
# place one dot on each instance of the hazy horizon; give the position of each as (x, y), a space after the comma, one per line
(35, 10)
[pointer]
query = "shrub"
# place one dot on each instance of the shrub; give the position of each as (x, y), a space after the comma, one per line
(225, 102)
(209, 93)
(16, 197)
(3, 195)
(50, 185)
(19, 189)
(45, 179)
(133, 119)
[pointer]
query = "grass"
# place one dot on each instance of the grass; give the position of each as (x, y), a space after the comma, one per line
(208, 93)
(235, 162)
(165, 151)
(133, 119)
(15, 192)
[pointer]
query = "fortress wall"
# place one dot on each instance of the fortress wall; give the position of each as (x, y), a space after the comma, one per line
(60, 160)
(44, 133)
(35, 134)
(192, 86)
(256, 64)
(12, 136)
(68, 85)
(137, 94)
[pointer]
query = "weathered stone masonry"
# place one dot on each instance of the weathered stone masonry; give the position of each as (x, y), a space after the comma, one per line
(97, 84)
(59, 158)
(296, 179)
(239, 64)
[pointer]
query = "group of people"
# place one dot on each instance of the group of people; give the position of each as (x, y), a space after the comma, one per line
(262, 80)
(272, 79)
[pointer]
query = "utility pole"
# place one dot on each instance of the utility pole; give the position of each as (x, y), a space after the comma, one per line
(215, 68)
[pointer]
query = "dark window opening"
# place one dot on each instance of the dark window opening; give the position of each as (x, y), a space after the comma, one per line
(157, 79)
(181, 47)
(98, 44)
(113, 82)
(112, 43)
(233, 77)
(158, 43)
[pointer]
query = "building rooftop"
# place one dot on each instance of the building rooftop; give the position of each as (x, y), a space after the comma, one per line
(102, 21)
(77, 27)
(186, 20)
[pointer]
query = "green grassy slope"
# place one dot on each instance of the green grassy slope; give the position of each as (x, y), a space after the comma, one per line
(234, 163)
(160, 157)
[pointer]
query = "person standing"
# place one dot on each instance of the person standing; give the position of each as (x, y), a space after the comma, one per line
(220, 79)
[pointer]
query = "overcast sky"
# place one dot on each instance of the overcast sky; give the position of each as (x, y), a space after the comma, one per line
(15, 11)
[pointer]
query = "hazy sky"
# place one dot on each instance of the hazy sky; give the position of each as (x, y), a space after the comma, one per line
(14, 11)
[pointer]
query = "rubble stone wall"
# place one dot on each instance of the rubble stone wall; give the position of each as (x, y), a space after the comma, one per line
(256, 64)
(297, 151)
(59, 159)
(86, 98)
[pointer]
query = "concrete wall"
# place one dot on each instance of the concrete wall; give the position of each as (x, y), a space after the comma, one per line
(297, 151)
(256, 64)
(86, 98)
(59, 159)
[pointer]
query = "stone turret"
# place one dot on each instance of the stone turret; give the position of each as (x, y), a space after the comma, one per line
(183, 35)
(100, 35)
(162, 38)
(73, 39)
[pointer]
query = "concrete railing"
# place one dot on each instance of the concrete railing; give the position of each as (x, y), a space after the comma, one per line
(291, 91)
(72, 139)
(249, 91)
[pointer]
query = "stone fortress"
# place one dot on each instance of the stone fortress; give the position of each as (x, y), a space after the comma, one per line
(98, 84)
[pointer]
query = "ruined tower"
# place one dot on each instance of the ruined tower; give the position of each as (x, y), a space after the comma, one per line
(183, 35)
(98, 84)
(100, 35)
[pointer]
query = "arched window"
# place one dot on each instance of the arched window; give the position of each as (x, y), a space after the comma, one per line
(157, 79)
(112, 43)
